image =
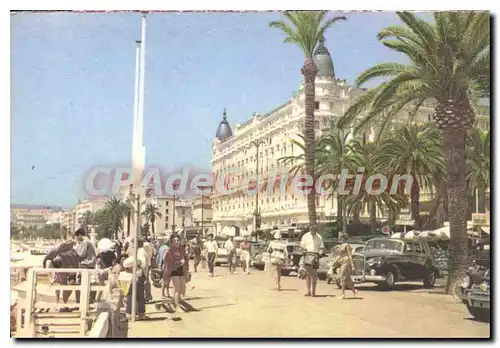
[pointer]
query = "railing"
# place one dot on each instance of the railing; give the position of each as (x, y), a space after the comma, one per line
(39, 315)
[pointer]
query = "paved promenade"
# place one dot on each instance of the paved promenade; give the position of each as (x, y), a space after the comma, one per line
(247, 306)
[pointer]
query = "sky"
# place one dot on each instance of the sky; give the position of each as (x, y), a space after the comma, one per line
(72, 87)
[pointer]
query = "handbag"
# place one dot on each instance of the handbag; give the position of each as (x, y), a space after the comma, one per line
(277, 257)
(124, 281)
(312, 260)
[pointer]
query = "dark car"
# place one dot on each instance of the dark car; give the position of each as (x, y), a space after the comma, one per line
(478, 298)
(388, 261)
(474, 274)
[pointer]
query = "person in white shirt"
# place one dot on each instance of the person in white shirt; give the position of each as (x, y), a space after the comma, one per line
(211, 248)
(150, 252)
(230, 249)
(312, 242)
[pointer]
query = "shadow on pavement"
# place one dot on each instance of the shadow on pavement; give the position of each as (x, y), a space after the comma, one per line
(288, 290)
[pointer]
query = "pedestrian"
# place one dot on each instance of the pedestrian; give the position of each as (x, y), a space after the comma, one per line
(66, 259)
(85, 249)
(160, 255)
(345, 263)
(146, 252)
(312, 242)
(230, 249)
(276, 250)
(177, 266)
(211, 247)
(245, 252)
(128, 265)
(196, 248)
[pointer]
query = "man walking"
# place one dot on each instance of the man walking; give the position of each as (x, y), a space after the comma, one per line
(312, 242)
(211, 247)
(229, 247)
(196, 248)
(245, 253)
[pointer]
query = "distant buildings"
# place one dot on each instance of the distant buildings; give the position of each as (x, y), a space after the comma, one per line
(35, 216)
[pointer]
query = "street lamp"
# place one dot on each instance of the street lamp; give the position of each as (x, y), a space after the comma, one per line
(175, 187)
(203, 188)
(256, 214)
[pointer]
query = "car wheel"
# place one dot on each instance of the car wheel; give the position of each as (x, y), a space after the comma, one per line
(285, 273)
(481, 314)
(322, 276)
(390, 280)
(329, 280)
(430, 279)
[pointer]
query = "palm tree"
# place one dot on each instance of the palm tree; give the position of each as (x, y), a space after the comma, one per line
(116, 210)
(151, 212)
(449, 63)
(87, 219)
(335, 153)
(478, 165)
(363, 157)
(415, 150)
(306, 29)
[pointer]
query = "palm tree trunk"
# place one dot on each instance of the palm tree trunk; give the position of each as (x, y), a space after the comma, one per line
(481, 197)
(340, 214)
(441, 191)
(309, 71)
(415, 202)
(153, 227)
(128, 223)
(454, 151)
(373, 217)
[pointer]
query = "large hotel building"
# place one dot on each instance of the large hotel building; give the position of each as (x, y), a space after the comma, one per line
(236, 150)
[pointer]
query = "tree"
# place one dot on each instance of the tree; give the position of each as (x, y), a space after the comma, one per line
(306, 29)
(87, 219)
(151, 212)
(117, 210)
(364, 154)
(479, 165)
(449, 63)
(335, 153)
(415, 150)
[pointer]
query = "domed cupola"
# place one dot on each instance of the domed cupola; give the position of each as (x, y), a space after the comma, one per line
(224, 131)
(323, 60)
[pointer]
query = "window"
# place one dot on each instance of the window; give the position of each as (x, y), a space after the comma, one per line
(316, 105)
(409, 248)
(418, 248)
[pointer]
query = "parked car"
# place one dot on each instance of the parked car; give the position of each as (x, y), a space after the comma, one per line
(388, 261)
(257, 250)
(293, 254)
(475, 273)
(478, 298)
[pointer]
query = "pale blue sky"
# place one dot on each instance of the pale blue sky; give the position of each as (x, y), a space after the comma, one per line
(73, 83)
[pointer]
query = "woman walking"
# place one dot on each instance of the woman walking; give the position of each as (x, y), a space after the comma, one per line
(276, 252)
(176, 267)
(345, 263)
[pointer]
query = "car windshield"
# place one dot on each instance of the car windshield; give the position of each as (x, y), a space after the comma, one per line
(383, 244)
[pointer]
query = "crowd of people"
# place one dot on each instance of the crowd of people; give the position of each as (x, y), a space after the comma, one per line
(165, 263)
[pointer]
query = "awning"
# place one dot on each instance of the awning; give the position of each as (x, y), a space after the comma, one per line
(486, 229)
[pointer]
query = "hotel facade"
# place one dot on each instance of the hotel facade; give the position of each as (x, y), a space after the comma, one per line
(270, 135)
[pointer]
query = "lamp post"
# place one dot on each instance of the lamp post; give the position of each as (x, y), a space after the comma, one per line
(203, 188)
(256, 214)
(175, 187)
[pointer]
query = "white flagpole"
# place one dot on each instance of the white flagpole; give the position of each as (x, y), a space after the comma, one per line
(139, 162)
